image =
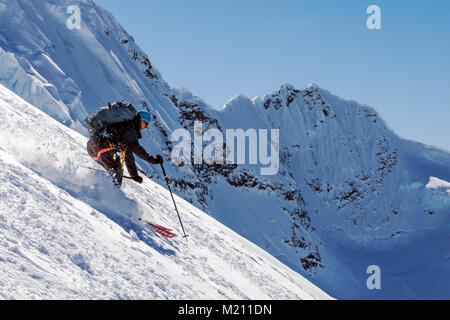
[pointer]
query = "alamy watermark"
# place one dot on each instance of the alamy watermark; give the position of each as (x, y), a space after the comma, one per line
(74, 20)
(374, 20)
(374, 281)
(233, 151)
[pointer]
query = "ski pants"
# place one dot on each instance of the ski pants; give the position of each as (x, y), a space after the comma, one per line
(109, 160)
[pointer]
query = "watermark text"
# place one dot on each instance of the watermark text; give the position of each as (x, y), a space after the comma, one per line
(236, 145)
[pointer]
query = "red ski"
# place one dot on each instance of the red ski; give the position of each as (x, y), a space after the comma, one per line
(165, 232)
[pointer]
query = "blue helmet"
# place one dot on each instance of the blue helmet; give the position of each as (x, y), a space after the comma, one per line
(145, 115)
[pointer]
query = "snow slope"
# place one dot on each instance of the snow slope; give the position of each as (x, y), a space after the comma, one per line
(348, 193)
(436, 183)
(69, 73)
(64, 236)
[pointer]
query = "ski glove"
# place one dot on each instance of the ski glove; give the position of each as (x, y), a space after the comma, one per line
(138, 179)
(156, 160)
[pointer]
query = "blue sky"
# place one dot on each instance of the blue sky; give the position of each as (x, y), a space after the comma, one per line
(218, 49)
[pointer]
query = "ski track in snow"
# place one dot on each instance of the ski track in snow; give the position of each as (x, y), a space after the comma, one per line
(64, 235)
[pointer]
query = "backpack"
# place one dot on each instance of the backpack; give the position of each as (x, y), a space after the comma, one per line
(115, 112)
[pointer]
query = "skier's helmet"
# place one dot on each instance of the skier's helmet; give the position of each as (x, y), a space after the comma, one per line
(145, 115)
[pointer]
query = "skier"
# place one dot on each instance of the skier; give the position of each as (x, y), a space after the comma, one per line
(117, 144)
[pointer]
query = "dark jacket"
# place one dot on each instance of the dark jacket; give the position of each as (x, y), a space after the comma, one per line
(127, 135)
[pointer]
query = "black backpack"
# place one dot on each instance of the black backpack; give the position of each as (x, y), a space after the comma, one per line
(116, 112)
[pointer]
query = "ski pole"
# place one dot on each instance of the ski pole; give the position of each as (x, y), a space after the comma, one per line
(176, 209)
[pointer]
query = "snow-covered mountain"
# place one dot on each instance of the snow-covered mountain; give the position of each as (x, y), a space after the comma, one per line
(64, 234)
(348, 192)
